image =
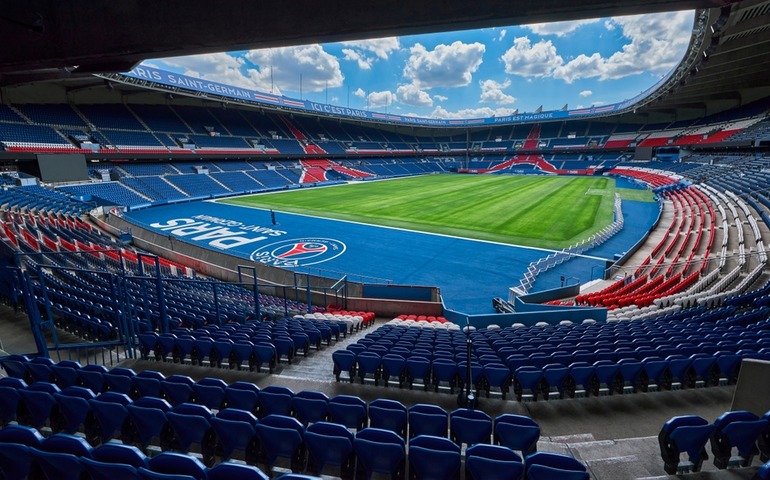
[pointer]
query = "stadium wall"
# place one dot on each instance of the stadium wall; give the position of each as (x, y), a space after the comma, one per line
(225, 267)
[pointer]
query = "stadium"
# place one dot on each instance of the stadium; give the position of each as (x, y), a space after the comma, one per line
(202, 280)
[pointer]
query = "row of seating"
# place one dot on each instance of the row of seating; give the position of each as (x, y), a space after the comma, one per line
(323, 447)
(541, 361)
(249, 345)
(101, 409)
(740, 432)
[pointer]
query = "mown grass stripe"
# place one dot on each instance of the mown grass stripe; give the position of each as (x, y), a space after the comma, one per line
(542, 211)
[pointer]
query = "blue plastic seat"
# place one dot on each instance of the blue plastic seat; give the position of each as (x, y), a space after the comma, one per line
(235, 430)
(527, 379)
(108, 413)
(330, 444)
(114, 461)
(9, 398)
(492, 462)
(393, 365)
(680, 368)
(119, 380)
(209, 392)
(497, 375)
(607, 376)
(729, 364)
(242, 352)
(418, 368)
(309, 406)
(280, 437)
(275, 400)
(37, 403)
(551, 466)
(630, 370)
(239, 471)
(147, 343)
(301, 343)
(349, 411)
(58, 457)
(684, 434)
(146, 420)
(146, 384)
(188, 424)
(477, 375)
(182, 348)
(517, 432)
(265, 354)
(243, 396)
(433, 458)
(92, 377)
(201, 350)
(469, 427)
(220, 352)
(344, 361)
(554, 380)
(444, 371)
(705, 369)
(71, 409)
(177, 389)
(39, 369)
(65, 373)
(369, 363)
(655, 371)
(740, 430)
(379, 451)
(284, 347)
(16, 442)
(426, 419)
(171, 463)
(579, 378)
(388, 415)
(14, 366)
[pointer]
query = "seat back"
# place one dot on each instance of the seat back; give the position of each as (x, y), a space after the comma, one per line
(425, 419)
(380, 451)
(517, 432)
(433, 457)
(330, 444)
(470, 426)
(492, 462)
(310, 406)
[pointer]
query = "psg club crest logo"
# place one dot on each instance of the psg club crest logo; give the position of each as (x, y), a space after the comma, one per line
(298, 252)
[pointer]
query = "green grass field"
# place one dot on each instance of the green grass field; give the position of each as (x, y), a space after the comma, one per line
(541, 211)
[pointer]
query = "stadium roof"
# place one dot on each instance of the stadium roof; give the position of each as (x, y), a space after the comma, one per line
(725, 69)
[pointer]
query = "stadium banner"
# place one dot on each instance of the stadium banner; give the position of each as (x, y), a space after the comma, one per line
(172, 79)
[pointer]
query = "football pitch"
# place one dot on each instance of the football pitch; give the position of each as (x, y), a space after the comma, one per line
(538, 211)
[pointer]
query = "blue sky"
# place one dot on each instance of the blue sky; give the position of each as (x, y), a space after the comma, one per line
(465, 74)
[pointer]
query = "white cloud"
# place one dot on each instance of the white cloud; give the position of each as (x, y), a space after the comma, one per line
(380, 99)
(559, 29)
(656, 45)
(411, 94)
(219, 67)
(502, 35)
(586, 93)
(527, 60)
(492, 92)
(360, 93)
(318, 69)
(381, 47)
(440, 98)
(445, 66)
(483, 112)
(364, 63)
